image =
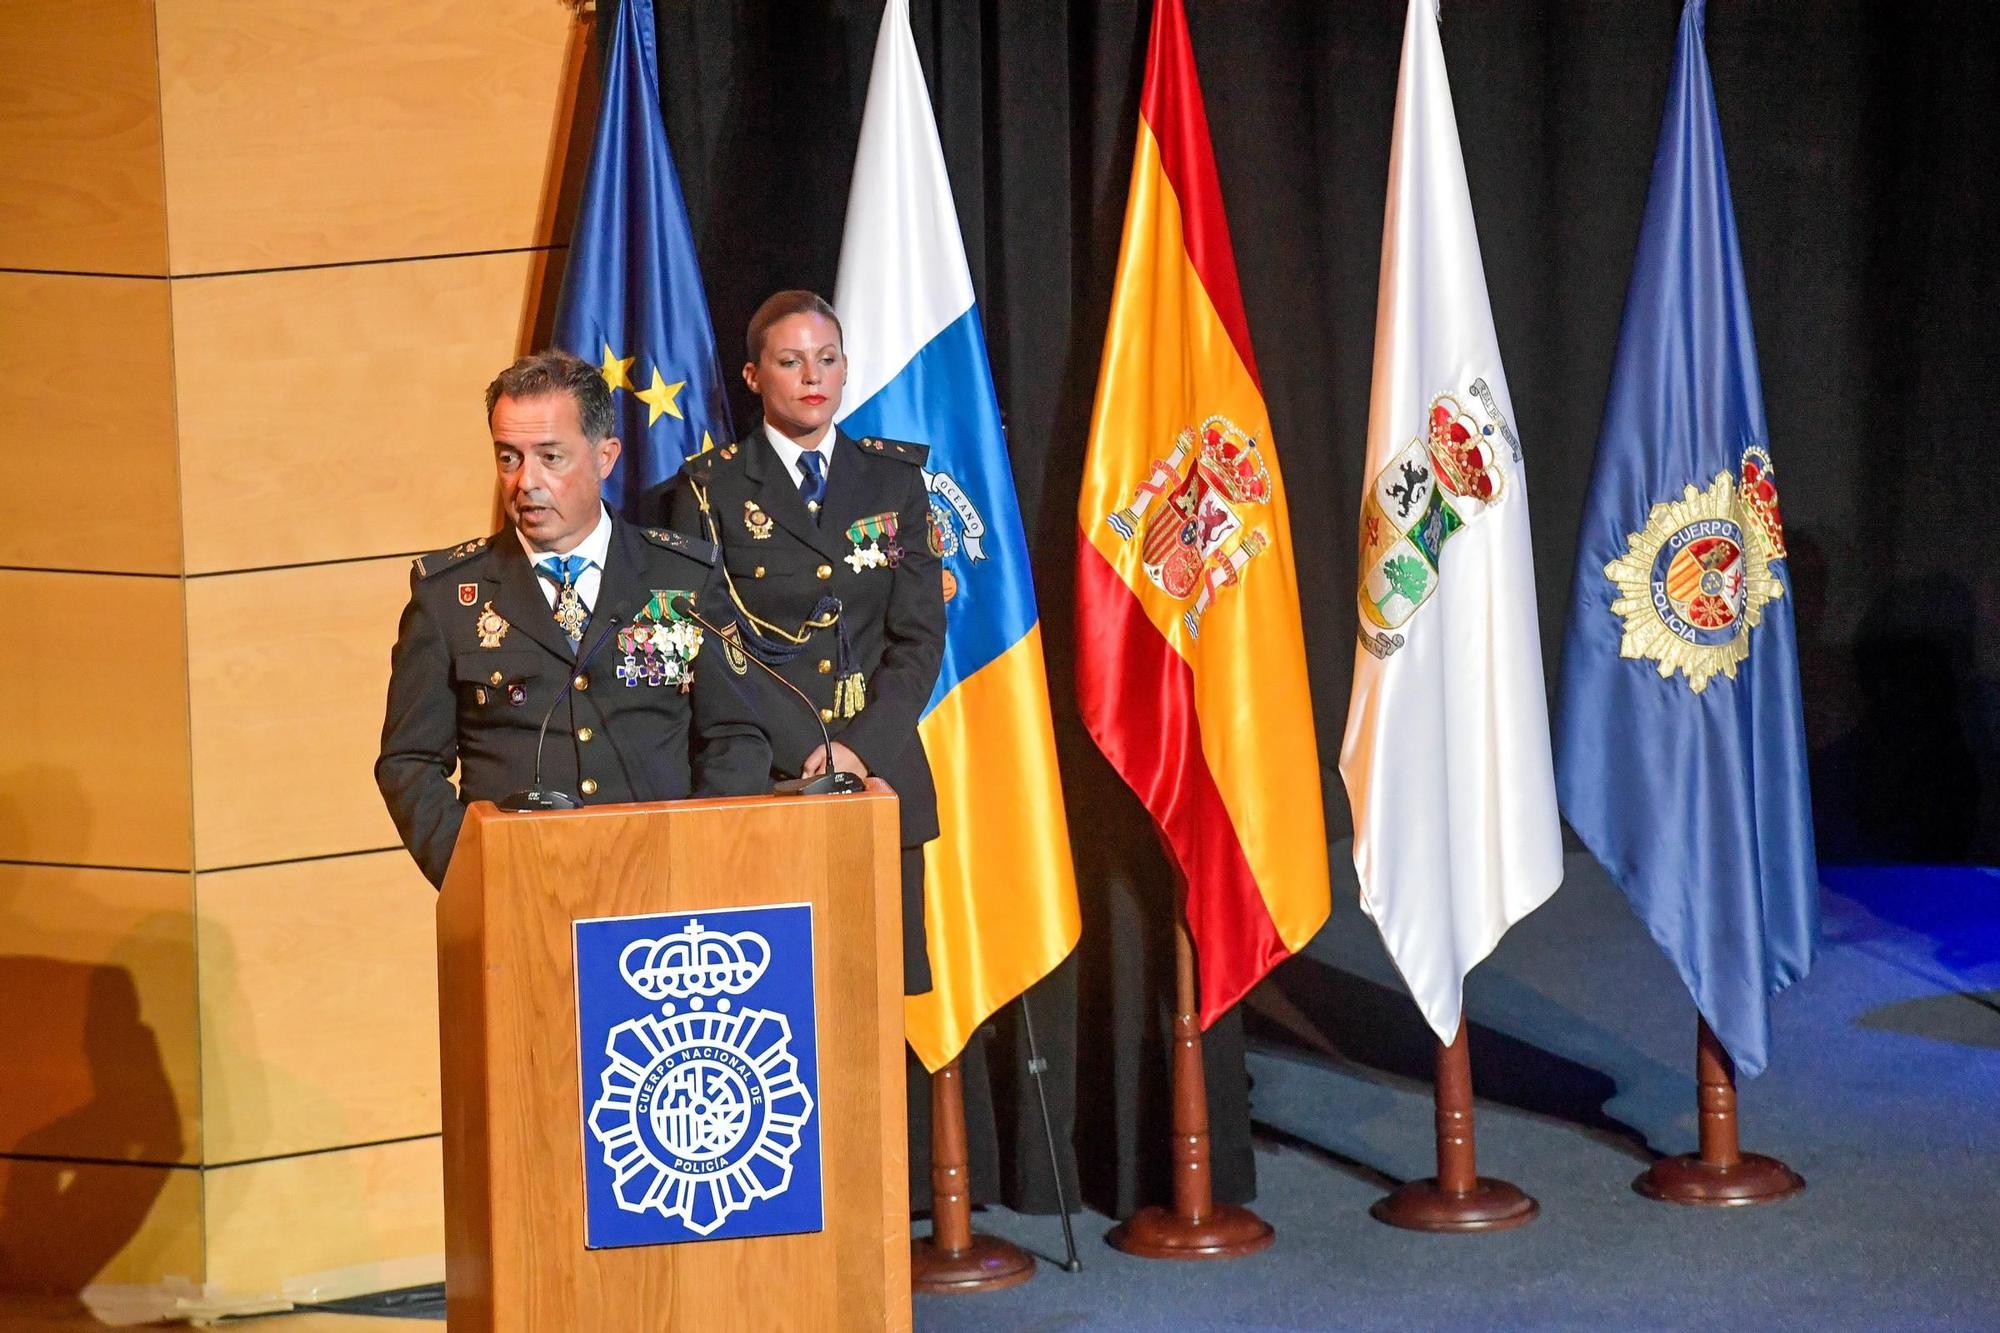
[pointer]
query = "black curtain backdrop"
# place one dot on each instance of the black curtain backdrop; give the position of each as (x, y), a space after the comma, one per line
(1861, 140)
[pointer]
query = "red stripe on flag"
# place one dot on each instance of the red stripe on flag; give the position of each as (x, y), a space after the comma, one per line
(1171, 103)
(1137, 699)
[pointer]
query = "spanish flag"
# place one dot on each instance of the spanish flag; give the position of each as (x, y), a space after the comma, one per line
(1191, 669)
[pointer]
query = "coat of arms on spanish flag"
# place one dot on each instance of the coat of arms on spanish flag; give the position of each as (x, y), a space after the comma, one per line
(1191, 668)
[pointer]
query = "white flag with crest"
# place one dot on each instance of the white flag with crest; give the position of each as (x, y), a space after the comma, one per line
(1446, 756)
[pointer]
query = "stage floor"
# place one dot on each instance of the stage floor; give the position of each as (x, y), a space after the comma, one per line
(1884, 1091)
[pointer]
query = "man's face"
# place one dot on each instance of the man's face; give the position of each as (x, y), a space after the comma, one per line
(799, 374)
(549, 473)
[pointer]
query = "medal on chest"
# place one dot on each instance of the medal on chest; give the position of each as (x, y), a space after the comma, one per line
(491, 627)
(660, 644)
(756, 522)
(874, 541)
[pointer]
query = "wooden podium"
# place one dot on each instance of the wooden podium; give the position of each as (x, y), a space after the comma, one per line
(513, 1110)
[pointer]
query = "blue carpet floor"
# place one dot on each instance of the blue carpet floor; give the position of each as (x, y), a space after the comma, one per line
(1884, 1091)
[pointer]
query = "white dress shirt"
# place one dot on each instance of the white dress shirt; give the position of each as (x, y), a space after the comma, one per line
(592, 548)
(790, 449)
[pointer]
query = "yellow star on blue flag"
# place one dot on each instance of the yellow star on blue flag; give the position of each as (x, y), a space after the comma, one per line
(617, 370)
(660, 398)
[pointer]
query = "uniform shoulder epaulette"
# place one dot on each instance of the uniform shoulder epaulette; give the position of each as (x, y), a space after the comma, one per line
(703, 463)
(903, 451)
(438, 561)
(693, 547)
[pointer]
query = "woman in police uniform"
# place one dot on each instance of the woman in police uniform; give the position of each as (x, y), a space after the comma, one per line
(837, 584)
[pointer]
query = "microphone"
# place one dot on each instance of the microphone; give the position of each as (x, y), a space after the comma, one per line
(831, 781)
(537, 797)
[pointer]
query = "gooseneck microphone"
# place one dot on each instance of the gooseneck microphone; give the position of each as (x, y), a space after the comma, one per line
(538, 797)
(830, 782)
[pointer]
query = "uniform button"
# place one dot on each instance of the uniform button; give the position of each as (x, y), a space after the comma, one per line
(495, 678)
(583, 734)
(590, 786)
(825, 667)
(826, 715)
(757, 573)
(825, 571)
(583, 682)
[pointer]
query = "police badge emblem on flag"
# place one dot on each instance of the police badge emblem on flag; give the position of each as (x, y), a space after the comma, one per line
(699, 1059)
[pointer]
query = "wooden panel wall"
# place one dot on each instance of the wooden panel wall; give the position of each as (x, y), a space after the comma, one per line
(81, 187)
(305, 133)
(95, 771)
(319, 1006)
(258, 261)
(89, 421)
(301, 442)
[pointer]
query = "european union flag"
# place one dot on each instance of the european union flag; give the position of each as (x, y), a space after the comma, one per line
(632, 300)
(1680, 747)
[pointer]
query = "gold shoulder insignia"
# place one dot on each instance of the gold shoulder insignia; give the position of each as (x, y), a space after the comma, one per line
(902, 451)
(667, 539)
(435, 563)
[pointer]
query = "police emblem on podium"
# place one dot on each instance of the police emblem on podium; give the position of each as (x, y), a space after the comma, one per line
(698, 1052)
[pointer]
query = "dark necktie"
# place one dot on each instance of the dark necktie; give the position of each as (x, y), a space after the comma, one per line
(812, 480)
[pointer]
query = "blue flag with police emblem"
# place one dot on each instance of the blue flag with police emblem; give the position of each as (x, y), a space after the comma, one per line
(698, 1053)
(632, 301)
(1680, 746)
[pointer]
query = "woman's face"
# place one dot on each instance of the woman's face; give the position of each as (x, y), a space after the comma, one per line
(799, 374)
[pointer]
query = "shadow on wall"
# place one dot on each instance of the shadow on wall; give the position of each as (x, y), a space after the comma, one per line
(89, 1125)
(77, 1027)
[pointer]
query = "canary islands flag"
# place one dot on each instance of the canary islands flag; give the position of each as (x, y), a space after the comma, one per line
(1191, 665)
(1000, 901)
(1680, 744)
(632, 301)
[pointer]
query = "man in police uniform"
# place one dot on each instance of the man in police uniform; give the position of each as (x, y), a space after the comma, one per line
(495, 628)
(829, 559)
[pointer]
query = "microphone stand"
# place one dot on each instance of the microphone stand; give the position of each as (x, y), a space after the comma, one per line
(537, 797)
(830, 782)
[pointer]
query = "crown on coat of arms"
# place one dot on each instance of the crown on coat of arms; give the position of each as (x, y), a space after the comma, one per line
(1460, 448)
(1758, 490)
(1232, 463)
(695, 961)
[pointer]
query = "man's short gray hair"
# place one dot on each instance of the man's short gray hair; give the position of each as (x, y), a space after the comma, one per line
(554, 371)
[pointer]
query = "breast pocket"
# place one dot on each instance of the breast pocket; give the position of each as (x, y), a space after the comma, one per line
(498, 680)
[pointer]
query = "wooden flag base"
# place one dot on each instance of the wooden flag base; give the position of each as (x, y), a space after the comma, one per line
(1457, 1198)
(1195, 1227)
(1225, 1232)
(1721, 1174)
(954, 1257)
(1424, 1205)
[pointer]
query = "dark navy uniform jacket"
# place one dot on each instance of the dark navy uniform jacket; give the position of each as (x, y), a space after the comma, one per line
(782, 563)
(465, 693)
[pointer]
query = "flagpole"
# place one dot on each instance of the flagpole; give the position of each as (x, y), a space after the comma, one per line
(1721, 1173)
(955, 1257)
(1196, 1227)
(1458, 1198)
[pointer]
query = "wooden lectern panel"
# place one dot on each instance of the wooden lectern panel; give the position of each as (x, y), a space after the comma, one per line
(513, 1114)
